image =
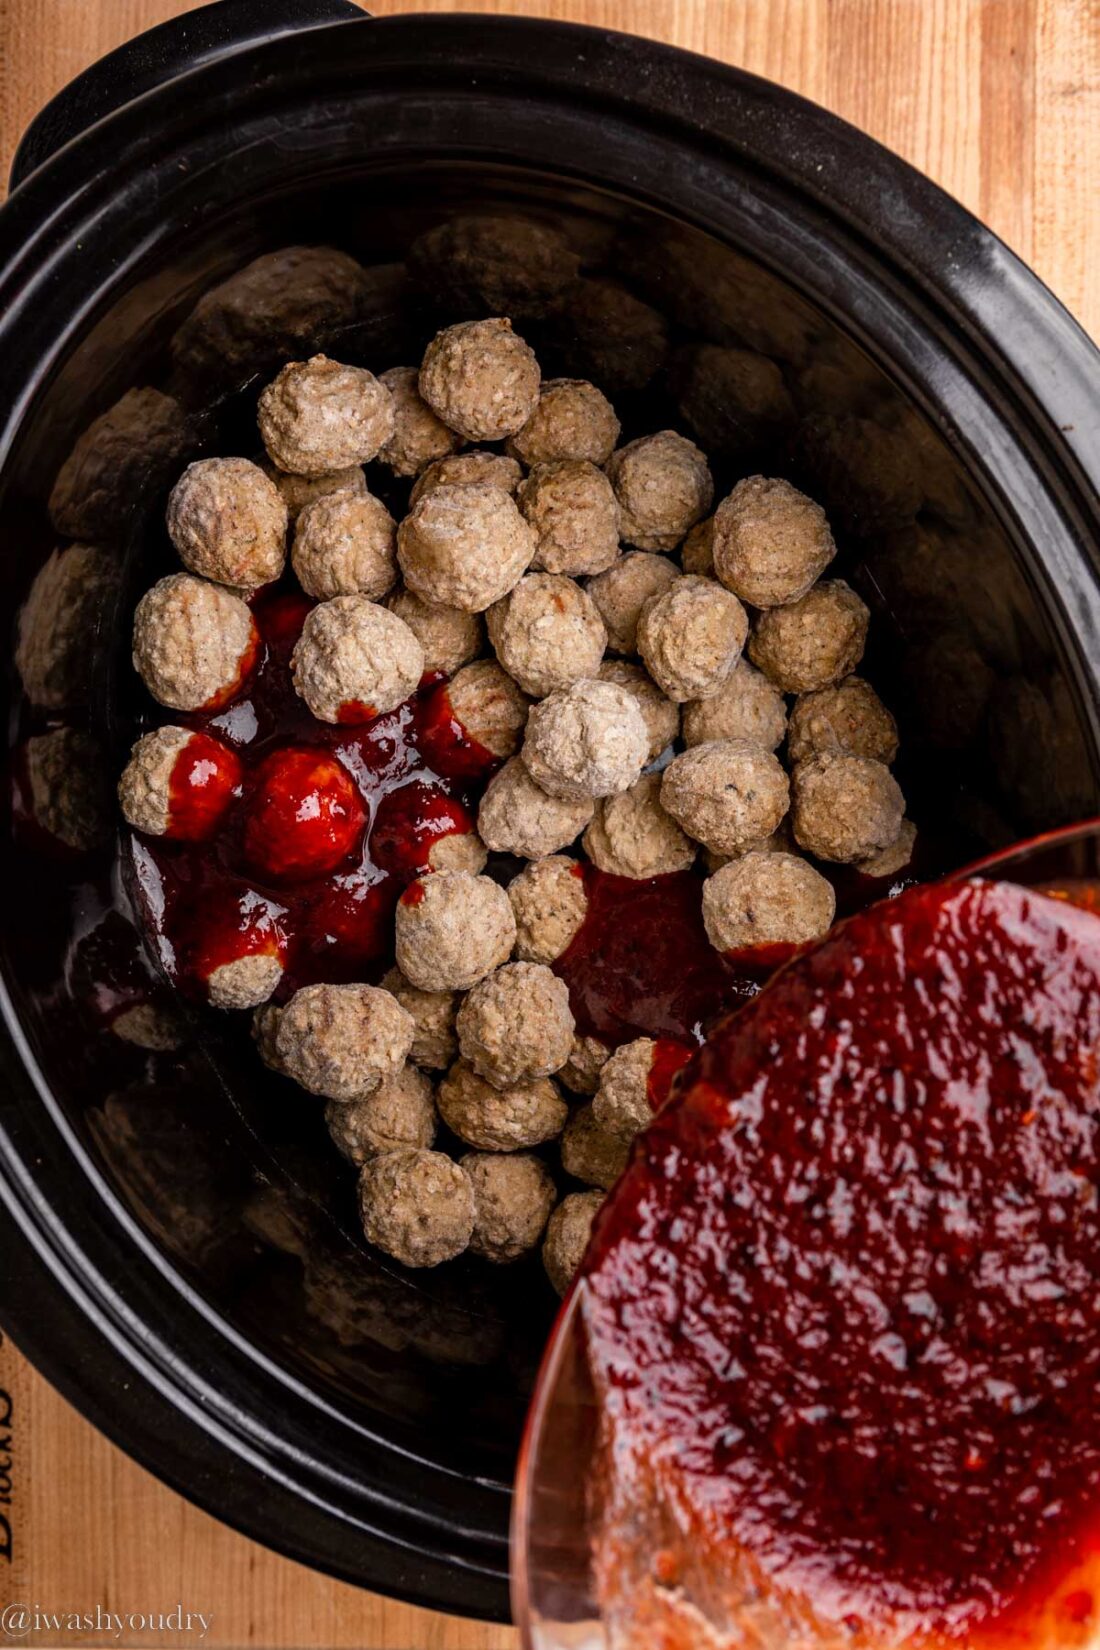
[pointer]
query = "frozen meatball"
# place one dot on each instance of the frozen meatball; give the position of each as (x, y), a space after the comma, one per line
(847, 720)
(887, 862)
(661, 716)
(318, 416)
(622, 592)
(622, 1105)
(771, 542)
(59, 622)
(343, 1041)
(489, 707)
(449, 637)
(814, 641)
(344, 545)
(452, 928)
(178, 783)
(500, 1120)
(547, 633)
(728, 794)
(69, 797)
(664, 487)
(691, 637)
(567, 1235)
(574, 513)
(517, 817)
(246, 982)
(591, 1153)
(468, 470)
(513, 1197)
(697, 550)
(550, 904)
(398, 1114)
(845, 808)
(516, 1024)
(766, 899)
(587, 1058)
(194, 642)
(588, 740)
(746, 706)
(354, 660)
(419, 437)
(417, 1206)
(481, 379)
(298, 491)
(265, 1029)
(228, 522)
(633, 836)
(573, 419)
(464, 546)
(435, 1041)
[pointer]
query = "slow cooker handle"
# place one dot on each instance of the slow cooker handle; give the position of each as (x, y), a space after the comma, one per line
(161, 54)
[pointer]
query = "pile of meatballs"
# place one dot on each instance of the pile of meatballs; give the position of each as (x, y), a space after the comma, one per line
(647, 660)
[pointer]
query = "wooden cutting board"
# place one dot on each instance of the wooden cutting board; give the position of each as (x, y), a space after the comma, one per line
(999, 101)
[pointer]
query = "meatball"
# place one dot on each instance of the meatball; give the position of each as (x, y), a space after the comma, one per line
(661, 716)
(771, 542)
(417, 1206)
(57, 627)
(573, 511)
(488, 707)
(887, 862)
(587, 1058)
(746, 706)
(344, 545)
(449, 637)
(500, 1120)
(691, 637)
(633, 836)
(452, 928)
(516, 817)
(697, 550)
(588, 740)
(513, 1197)
(342, 1041)
(481, 379)
(814, 641)
(728, 794)
(435, 1042)
(464, 546)
(265, 1029)
(355, 660)
(567, 1235)
(550, 904)
(664, 487)
(622, 592)
(298, 491)
(246, 981)
(318, 416)
(468, 470)
(847, 720)
(516, 1024)
(591, 1153)
(156, 792)
(419, 437)
(766, 899)
(845, 808)
(228, 522)
(194, 643)
(547, 633)
(622, 1105)
(573, 420)
(399, 1113)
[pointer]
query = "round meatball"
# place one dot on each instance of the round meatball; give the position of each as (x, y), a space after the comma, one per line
(691, 637)
(513, 1197)
(587, 1058)
(470, 469)
(746, 706)
(452, 928)
(697, 550)
(265, 1029)
(547, 633)
(342, 1041)
(400, 1113)
(59, 622)
(621, 1105)
(417, 1206)
(517, 817)
(766, 899)
(728, 794)
(194, 643)
(847, 720)
(567, 1235)
(516, 1024)
(573, 419)
(481, 379)
(771, 542)
(344, 545)
(435, 1041)
(419, 437)
(464, 546)
(489, 707)
(887, 862)
(246, 982)
(178, 783)
(500, 1120)
(228, 522)
(588, 740)
(574, 513)
(845, 808)
(550, 904)
(591, 1153)
(814, 641)
(664, 487)
(661, 716)
(355, 660)
(318, 416)
(298, 491)
(633, 836)
(449, 637)
(622, 592)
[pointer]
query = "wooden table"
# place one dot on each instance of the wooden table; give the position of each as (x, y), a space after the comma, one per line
(999, 101)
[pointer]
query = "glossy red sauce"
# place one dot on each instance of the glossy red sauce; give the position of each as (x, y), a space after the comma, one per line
(304, 814)
(206, 776)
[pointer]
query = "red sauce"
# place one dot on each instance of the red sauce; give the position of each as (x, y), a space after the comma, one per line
(411, 820)
(446, 745)
(305, 814)
(244, 670)
(669, 1060)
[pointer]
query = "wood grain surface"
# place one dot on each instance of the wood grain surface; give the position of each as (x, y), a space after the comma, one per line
(999, 101)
